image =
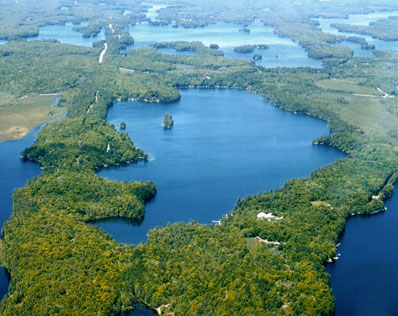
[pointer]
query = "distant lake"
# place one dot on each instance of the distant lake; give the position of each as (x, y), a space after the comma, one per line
(66, 34)
(283, 52)
(360, 19)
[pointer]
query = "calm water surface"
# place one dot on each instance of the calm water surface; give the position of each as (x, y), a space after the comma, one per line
(152, 12)
(66, 34)
(227, 144)
(14, 173)
(361, 19)
(283, 52)
(224, 144)
(365, 278)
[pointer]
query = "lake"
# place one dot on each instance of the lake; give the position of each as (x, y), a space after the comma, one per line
(227, 144)
(365, 278)
(66, 34)
(14, 172)
(224, 144)
(360, 19)
(283, 52)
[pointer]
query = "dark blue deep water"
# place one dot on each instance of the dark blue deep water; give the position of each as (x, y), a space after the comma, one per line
(365, 278)
(224, 144)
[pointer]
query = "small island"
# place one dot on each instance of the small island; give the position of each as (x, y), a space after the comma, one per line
(249, 48)
(168, 121)
(257, 56)
(214, 46)
(123, 125)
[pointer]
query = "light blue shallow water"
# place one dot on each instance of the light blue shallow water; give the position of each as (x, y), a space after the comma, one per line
(227, 36)
(66, 34)
(361, 19)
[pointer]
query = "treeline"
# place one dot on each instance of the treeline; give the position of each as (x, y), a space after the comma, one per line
(184, 46)
(386, 29)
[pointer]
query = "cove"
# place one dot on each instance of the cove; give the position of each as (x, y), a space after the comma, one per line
(224, 144)
(365, 278)
(282, 52)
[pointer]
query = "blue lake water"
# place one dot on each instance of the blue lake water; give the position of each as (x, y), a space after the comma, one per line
(152, 12)
(224, 144)
(361, 19)
(365, 278)
(14, 173)
(227, 36)
(66, 34)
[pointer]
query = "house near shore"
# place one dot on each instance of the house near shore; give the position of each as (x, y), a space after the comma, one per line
(268, 216)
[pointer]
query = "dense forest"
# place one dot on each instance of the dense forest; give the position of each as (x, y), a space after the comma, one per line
(61, 265)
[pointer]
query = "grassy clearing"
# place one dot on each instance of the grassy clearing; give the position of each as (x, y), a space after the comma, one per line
(349, 85)
(371, 115)
(319, 203)
(20, 115)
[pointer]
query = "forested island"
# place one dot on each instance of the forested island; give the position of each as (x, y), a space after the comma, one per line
(168, 121)
(61, 265)
(249, 48)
